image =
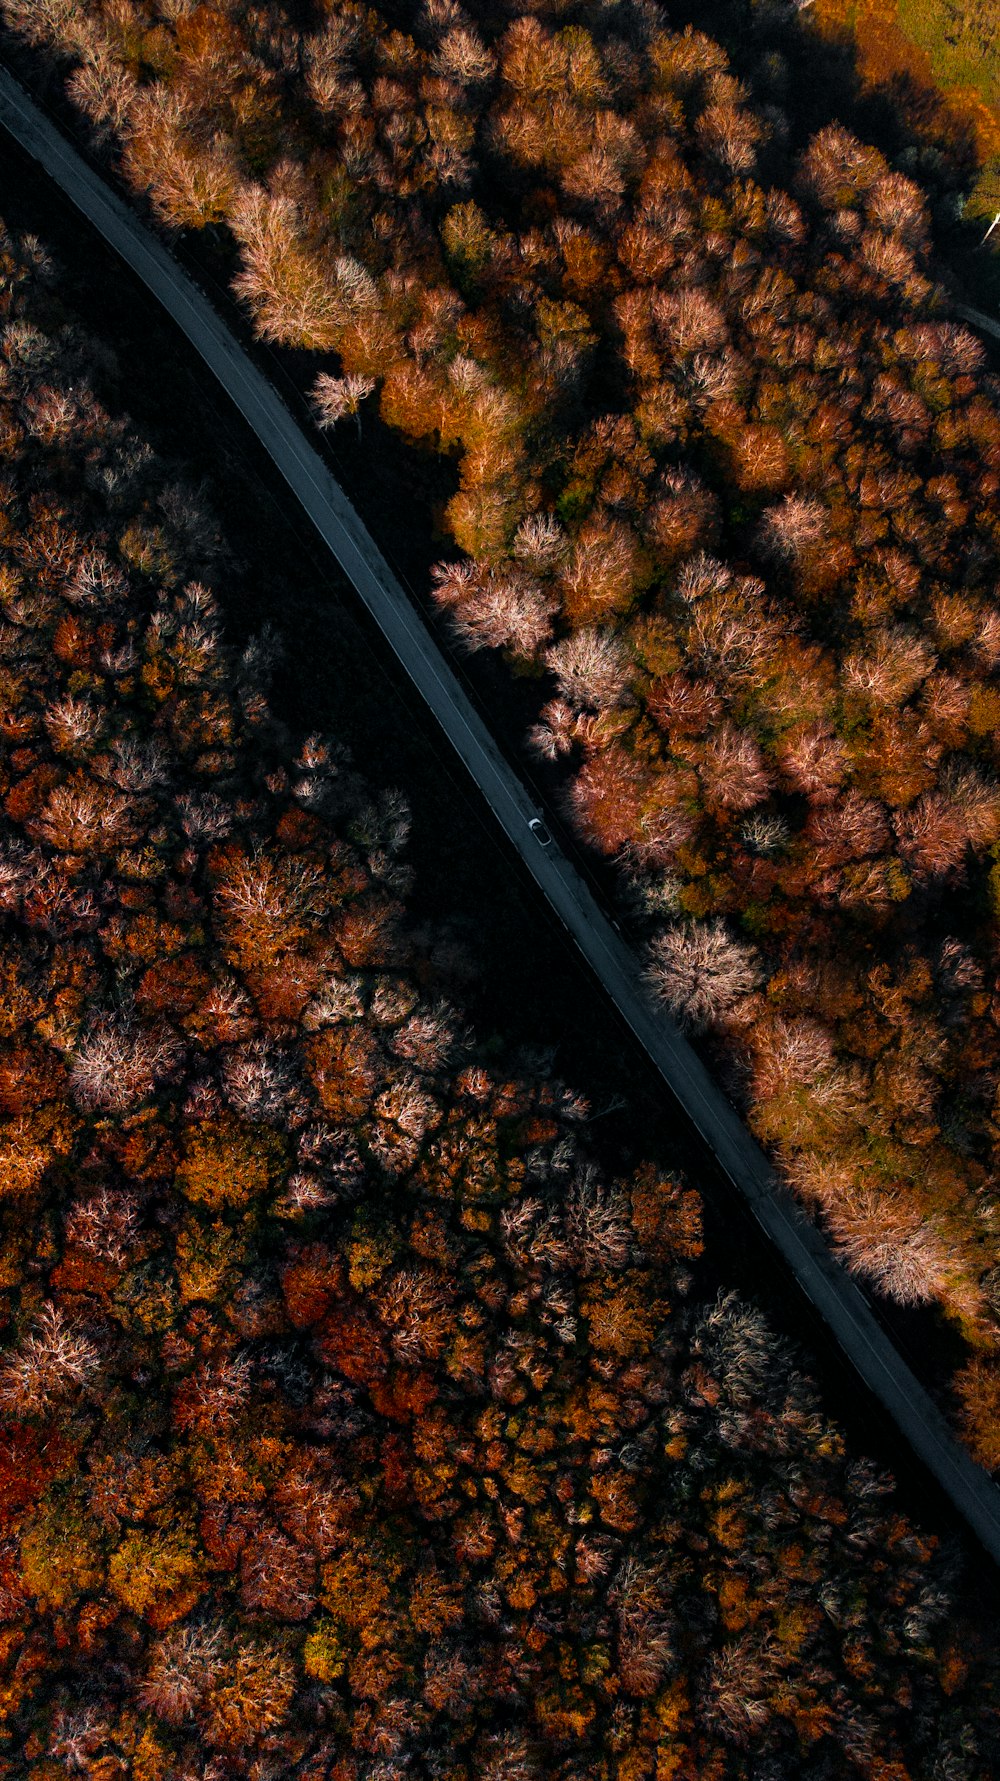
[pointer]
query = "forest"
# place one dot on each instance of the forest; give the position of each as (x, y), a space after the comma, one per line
(723, 497)
(357, 1422)
(940, 62)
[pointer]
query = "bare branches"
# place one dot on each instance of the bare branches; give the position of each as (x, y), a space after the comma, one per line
(48, 1367)
(702, 973)
(118, 1063)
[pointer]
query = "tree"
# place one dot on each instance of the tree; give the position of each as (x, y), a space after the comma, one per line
(183, 1667)
(118, 1063)
(604, 572)
(48, 1367)
(814, 762)
(509, 610)
(688, 321)
(105, 1224)
(251, 1694)
(795, 526)
(743, 1677)
(80, 816)
(839, 171)
(335, 397)
(156, 1575)
(462, 56)
(591, 668)
(888, 1242)
(978, 1386)
(701, 972)
(191, 181)
(295, 300)
(732, 770)
(729, 133)
(278, 1576)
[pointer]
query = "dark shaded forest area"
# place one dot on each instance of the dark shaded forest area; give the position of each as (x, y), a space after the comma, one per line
(356, 1422)
(726, 497)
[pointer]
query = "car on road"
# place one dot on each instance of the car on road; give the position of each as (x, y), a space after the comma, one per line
(540, 832)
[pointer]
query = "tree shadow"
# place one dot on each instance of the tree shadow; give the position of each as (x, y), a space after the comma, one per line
(816, 80)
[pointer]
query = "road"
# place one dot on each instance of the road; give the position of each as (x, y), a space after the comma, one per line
(985, 323)
(826, 1284)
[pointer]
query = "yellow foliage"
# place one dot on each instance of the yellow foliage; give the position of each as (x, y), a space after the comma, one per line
(24, 1157)
(370, 1252)
(228, 1164)
(569, 1716)
(323, 1655)
(736, 1609)
(468, 239)
(622, 1314)
(357, 1592)
(151, 1760)
(155, 1574)
(636, 1765)
(147, 1301)
(18, 1004)
(60, 1558)
(207, 1259)
(795, 1628)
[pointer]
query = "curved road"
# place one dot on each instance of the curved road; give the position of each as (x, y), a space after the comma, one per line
(824, 1281)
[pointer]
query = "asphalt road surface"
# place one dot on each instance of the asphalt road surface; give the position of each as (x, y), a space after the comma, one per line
(833, 1293)
(985, 323)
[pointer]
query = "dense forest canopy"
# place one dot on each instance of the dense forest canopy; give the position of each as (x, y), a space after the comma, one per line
(726, 486)
(356, 1424)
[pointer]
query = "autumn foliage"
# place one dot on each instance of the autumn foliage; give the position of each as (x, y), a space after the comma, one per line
(355, 1422)
(939, 62)
(726, 484)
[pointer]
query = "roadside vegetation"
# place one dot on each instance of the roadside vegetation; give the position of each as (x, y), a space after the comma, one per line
(355, 1422)
(726, 493)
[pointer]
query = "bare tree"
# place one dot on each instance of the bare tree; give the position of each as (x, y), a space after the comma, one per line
(491, 608)
(591, 667)
(701, 972)
(80, 816)
(76, 1737)
(598, 1223)
(733, 773)
(336, 397)
(813, 761)
(118, 1063)
(49, 1366)
(796, 524)
(890, 671)
(277, 1576)
(837, 169)
(464, 58)
(646, 1634)
(257, 1078)
(742, 1678)
(214, 1395)
(886, 1239)
(689, 321)
(74, 725)
(105, 1224)
(540, 543)
(183, 1667)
